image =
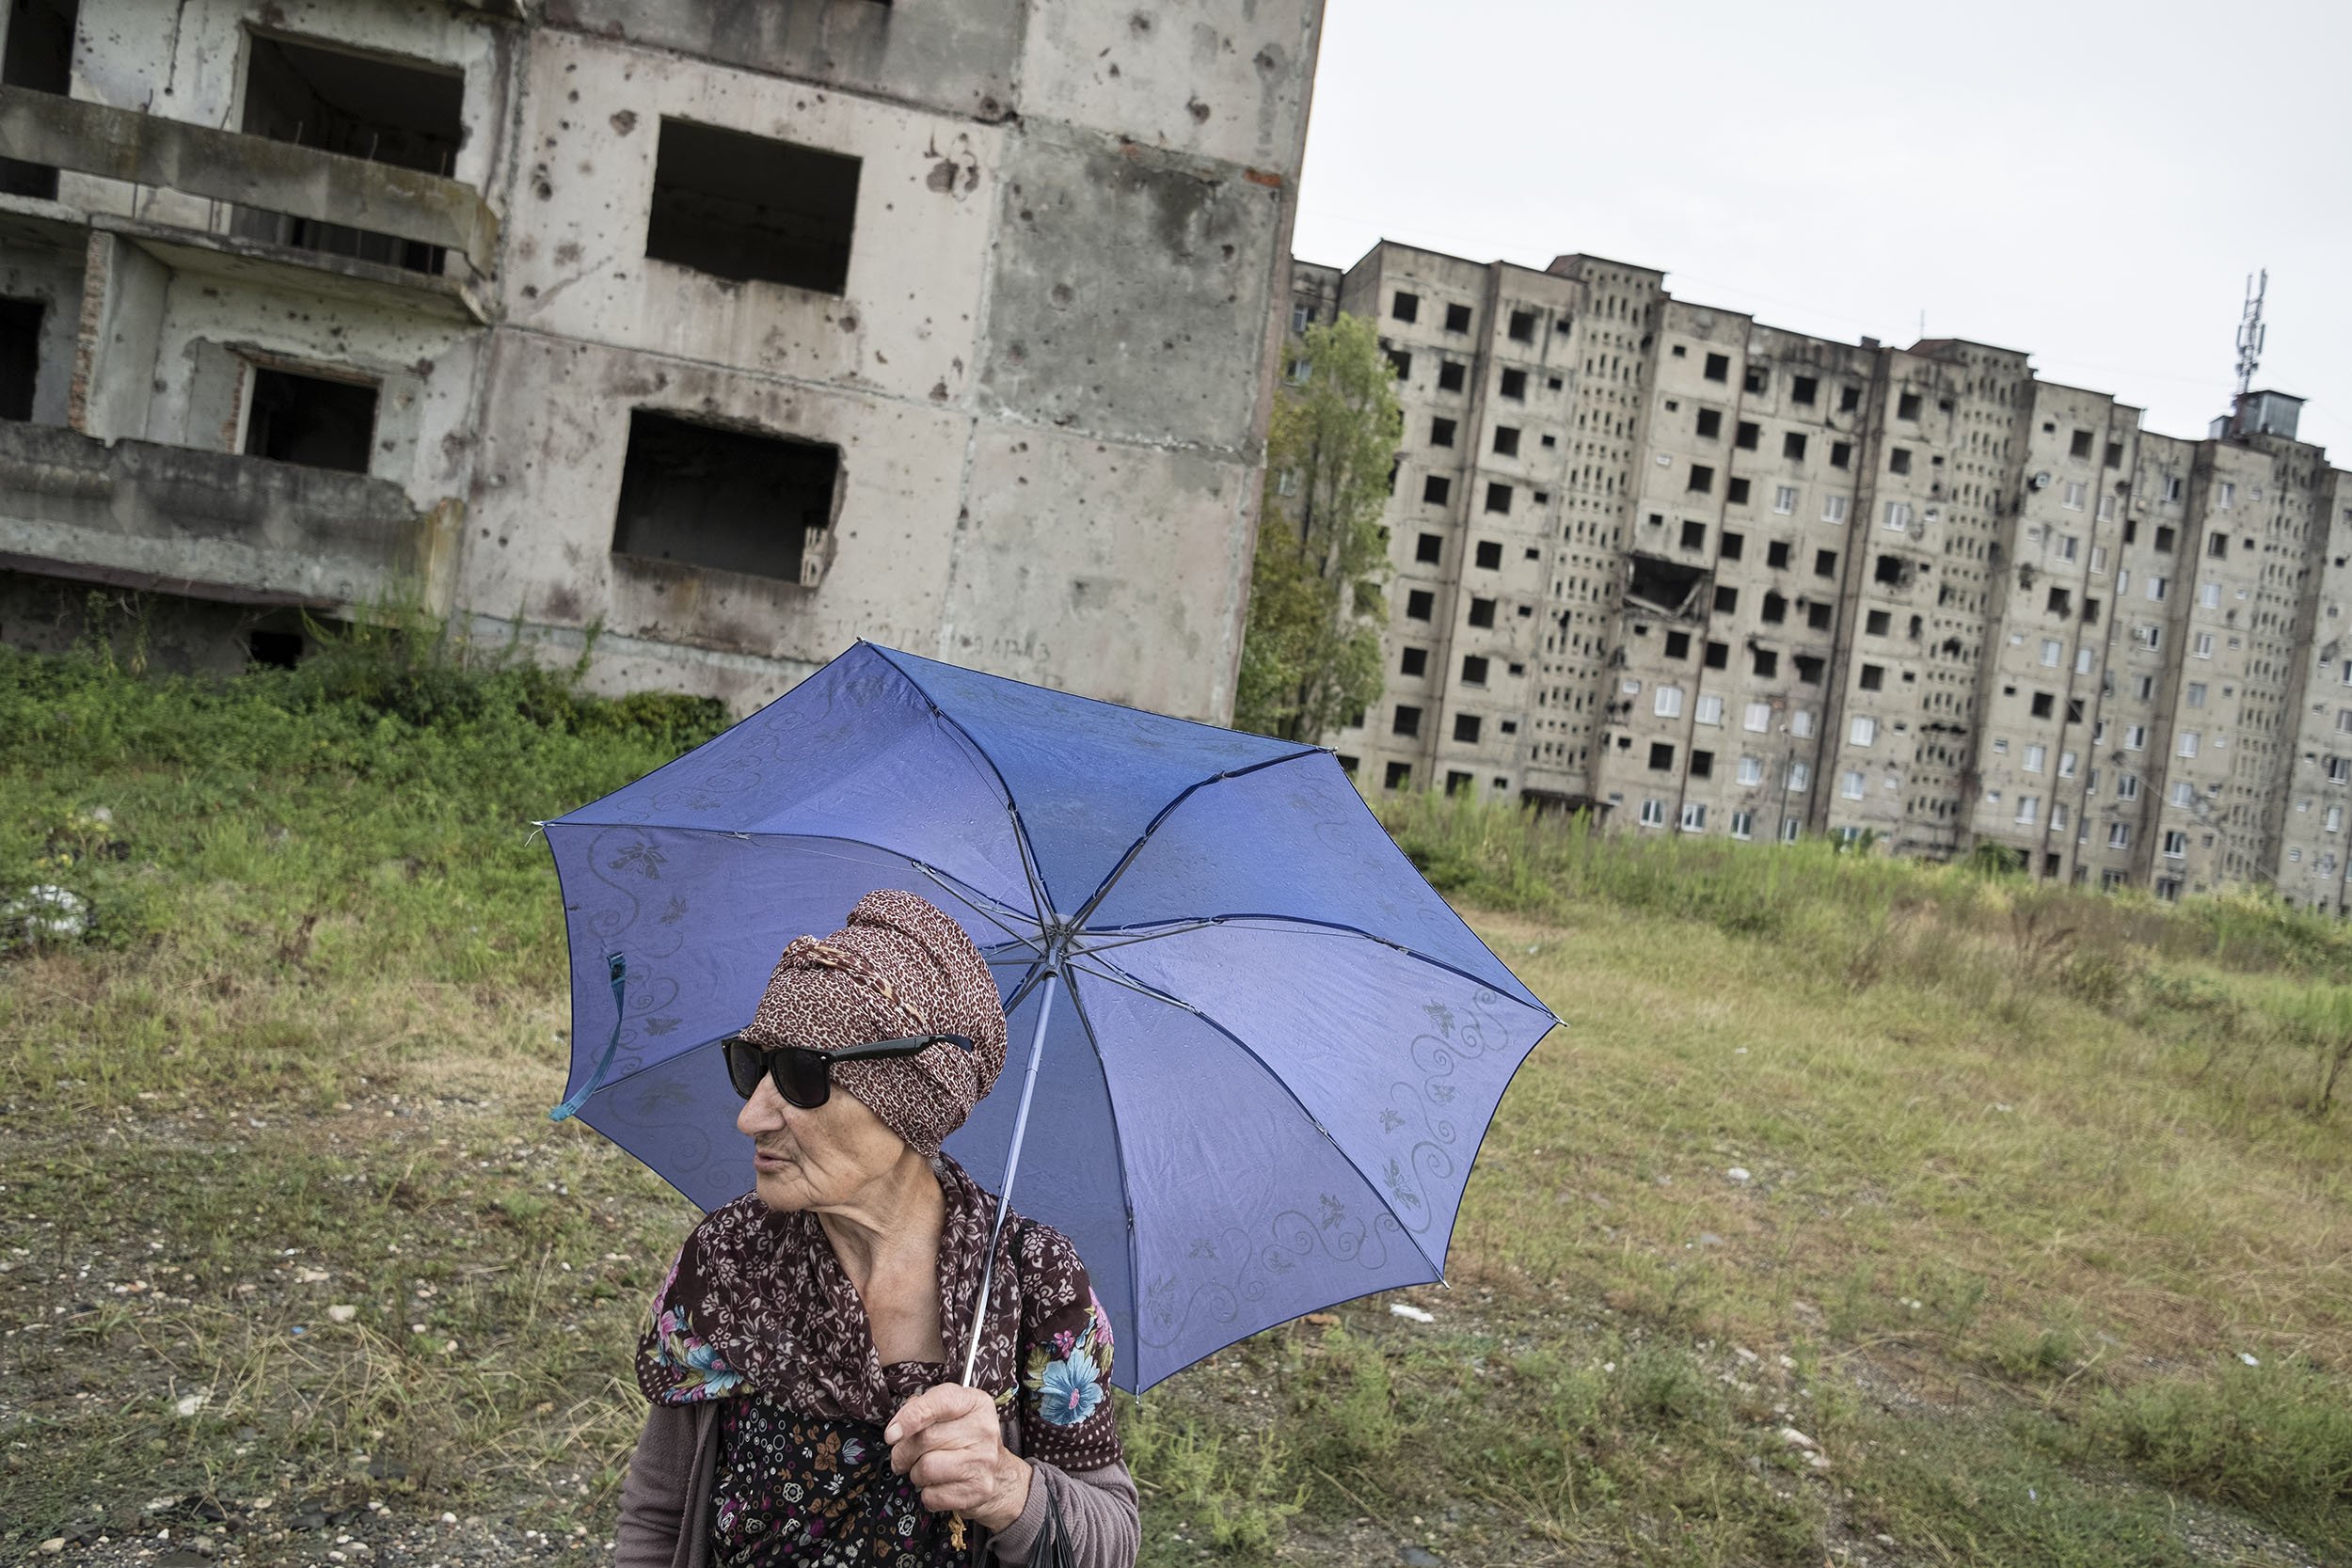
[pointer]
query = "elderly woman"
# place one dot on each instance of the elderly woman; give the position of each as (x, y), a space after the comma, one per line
(801, 1356)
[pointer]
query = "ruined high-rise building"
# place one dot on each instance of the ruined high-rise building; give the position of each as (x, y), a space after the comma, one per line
(1702, 575)
(710, 334)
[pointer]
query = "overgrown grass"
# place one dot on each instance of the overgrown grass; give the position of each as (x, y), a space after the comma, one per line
(2028, 1173)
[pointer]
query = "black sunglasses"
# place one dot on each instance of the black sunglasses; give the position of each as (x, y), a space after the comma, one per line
(804, 1076)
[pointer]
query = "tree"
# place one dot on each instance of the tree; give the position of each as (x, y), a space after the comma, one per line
(1311, 657)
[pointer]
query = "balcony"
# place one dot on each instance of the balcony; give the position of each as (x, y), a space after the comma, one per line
(213, 524)
(256, 174)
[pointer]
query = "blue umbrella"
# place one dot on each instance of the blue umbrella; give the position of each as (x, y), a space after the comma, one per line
(1261, 1050)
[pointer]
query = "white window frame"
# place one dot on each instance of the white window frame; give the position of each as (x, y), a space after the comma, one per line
(1653, 812)
(1864, 731)
(1800, 775)
(1801, 723)
(1751, 771)
(2076, 491)
(1897, 517)
(1694, 817)
(2053, 651)
(2037, 756)
(2066, 765)
(1710, 710)
(2028, 810)
(1852, 786)
(2190, 741)
(1784, 500)
(2175, 844)
(1666, 702)
(1743, 825)
(1758, 719)
(1833, 509)
(2203, 646)
(2134, 738)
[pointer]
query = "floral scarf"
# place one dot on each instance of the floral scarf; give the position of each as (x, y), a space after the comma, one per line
(759, 1303)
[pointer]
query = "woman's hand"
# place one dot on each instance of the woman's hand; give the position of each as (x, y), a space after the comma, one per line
(948, 1440)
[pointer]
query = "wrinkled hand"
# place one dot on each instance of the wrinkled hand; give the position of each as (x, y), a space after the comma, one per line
(948, 1441)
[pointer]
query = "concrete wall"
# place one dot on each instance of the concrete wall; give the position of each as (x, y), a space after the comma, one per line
(1048, 372)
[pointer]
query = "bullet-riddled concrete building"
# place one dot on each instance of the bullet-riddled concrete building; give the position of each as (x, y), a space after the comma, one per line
(711, 334)
(1701, 574)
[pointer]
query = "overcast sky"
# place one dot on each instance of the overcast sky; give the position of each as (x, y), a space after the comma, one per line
(2088, 182)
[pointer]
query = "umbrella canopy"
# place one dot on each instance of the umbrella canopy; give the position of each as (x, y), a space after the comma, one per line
(1269, 1048)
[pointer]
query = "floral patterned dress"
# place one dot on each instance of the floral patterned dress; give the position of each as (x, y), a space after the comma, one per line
(800, 1487)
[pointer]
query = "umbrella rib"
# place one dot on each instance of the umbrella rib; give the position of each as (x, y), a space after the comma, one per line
(962, 890)
(1087, 909)
(985, 914)
(1020, 830)
(1310, 927)
(1365, 1177)
(1118, 1163)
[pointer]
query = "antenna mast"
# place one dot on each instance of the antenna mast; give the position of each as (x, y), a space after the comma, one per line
(2251, 332)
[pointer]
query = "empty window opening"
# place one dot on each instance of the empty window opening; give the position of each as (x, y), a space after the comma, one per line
(1401, 363)
(1397, 775)
(40, 56)
(1817, 616)
(1661, 757)
(1734, 544)
(1840, 454)
(1414, 661)
(2080, 446)
(1874, 677)
(729, 500)
(1736, 491)
(1892, 571)
(1677, 644)
(1726, 600)
(1429, 547)
(1804, 389)
(1824, 563)
(1809, 667)
(1506, 441)
(404, 111)
(1450, 375)
(1407, 720)
(1435, 490)
(1440, 433)
(1702, 477)
(1717, 656)
(1473, 670)
(1693, 534)
(1744, 437)
(1664, 585)
(272, 650)
(1458, 782)
(1898, 460)
(1776, 555)
(1458, 318)
(1764, 661)
(1490, 555)
(1482, 612)
(1419, 604)
(1849, 398)
(1702, 766)
(1718, 367)
(310, 419)
(1514, 385)
(1465, 729)
(1498, 498)
(756, 209)
(1523, 325)
(1878, 622)
(1775, 609)
(1907, 407)
(1404, 307)
(20, 357)
(1710, 422)
(1792, 446)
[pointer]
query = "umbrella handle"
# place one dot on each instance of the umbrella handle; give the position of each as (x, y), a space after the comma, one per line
(1012, 1165)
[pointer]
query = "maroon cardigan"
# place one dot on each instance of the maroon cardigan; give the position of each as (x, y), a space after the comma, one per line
(666, 1511)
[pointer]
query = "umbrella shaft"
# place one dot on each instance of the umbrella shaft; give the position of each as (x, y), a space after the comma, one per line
(1012, 1165)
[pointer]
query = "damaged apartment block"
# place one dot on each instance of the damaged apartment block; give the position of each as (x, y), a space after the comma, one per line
(692, 349)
